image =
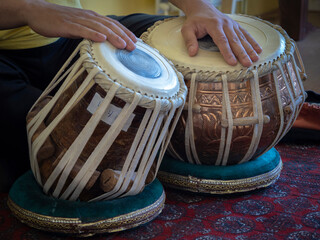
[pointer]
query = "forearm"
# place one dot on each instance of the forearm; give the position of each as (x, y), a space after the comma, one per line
(13, 12)
(192, 6)
(53, 20)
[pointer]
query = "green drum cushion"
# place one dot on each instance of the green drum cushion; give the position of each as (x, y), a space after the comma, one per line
(257, 173)
(30, 205)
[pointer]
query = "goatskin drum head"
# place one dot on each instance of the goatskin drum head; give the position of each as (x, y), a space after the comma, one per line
(208, 57)
(143, 70)
(31, 206)
(258, 173)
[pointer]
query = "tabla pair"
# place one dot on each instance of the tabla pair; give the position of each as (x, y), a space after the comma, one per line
(105, 131)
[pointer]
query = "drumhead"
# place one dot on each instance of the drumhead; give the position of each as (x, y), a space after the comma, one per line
(143, 70)
(167, 38)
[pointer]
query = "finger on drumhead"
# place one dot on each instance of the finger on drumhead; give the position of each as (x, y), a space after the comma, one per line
(220, 39)
(122, 41)
(237, 48)
(117, 35)
(243, 57)
(251, 40)
(190, 40)
(241, 54)
(247, 46)
(117, 41)
(114, 39)
(130, 45)
(126, 31)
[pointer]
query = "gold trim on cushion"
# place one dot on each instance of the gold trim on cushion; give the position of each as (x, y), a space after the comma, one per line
(76, 227)
(213, 186)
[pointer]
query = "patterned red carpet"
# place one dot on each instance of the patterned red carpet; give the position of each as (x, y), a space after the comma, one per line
(289, 209)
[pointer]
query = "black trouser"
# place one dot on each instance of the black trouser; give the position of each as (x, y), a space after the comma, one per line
(24, 74)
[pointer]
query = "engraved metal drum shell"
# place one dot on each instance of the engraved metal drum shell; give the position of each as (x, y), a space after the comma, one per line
(207, 116)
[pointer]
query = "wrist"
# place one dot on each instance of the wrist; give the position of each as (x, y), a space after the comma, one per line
(191, 7)
(31, 8)
(27, 10)
(11, 13)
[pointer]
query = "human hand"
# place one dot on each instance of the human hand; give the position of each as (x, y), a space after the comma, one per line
(51, 20)
(234, 42)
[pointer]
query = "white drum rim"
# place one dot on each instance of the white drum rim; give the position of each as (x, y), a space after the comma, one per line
(236, 73)
(125, 92)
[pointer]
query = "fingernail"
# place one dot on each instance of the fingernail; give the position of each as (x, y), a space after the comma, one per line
(100, 37)
(232, 61)
(134, 38)
(192, 50)
(247, 63)
(259, 49)
(121, 42)
(254, 57)
(131, 46)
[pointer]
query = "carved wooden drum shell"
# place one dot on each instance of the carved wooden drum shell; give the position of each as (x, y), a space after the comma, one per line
(73, 123)
(100, 129)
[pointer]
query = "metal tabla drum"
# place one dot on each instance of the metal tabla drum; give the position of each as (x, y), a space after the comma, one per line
(99, 132)
(234, 115)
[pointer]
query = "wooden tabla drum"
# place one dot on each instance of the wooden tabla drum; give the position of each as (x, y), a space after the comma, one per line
(100, 129)
(233, 114)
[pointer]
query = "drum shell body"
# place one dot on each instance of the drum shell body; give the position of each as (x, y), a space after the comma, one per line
(72, 124)
(95, 135)
(207, 116)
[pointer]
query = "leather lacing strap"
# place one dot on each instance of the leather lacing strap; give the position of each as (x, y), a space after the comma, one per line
(226, 136)
(59, 76)
(146, 150)
(298, 72)
(39, 118)
(179, 110)
(155, 146)
(190, 147)
(33, 125)
(83, 89)
(140, 158)
(292, 117)
(227, 122)
(132, 160)
(257, 114)
(95, 158)
(296, 50)
(69, 159)
(280, 108)
(298, 97)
